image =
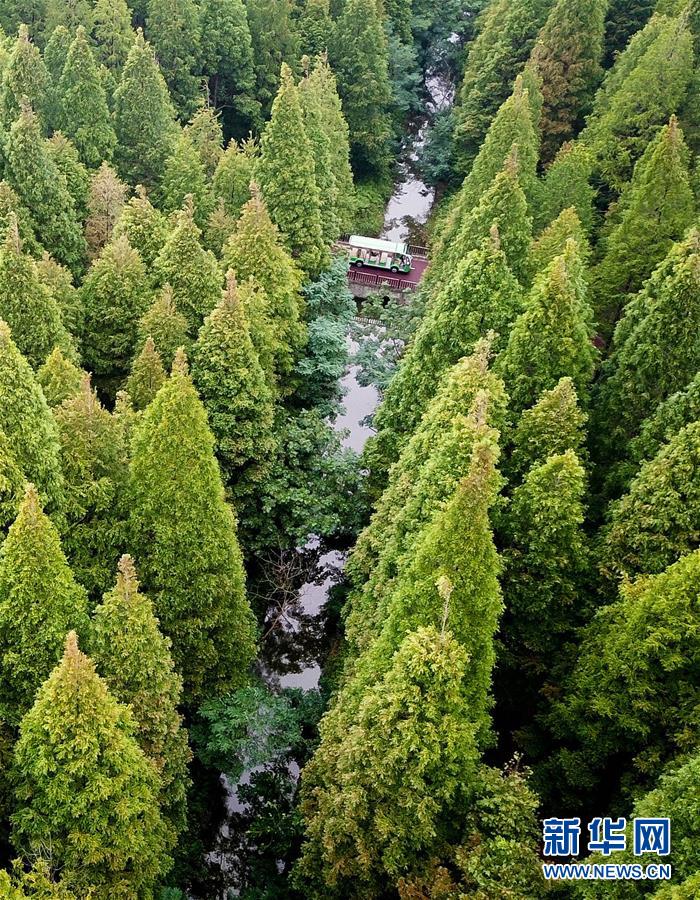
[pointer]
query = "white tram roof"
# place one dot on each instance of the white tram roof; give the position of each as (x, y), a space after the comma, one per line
(368, 243)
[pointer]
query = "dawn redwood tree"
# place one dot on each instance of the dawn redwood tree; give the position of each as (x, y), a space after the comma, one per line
(552, 241)
(28, 425)
(184, 175)
(233, 175)
(24, 76)
(165, 325)
(82, 784)
(288, 180)
(145, 226)
(60, 282)
(566, 183)
(207, 135)
(147, 375)
(134, 659)
(40, 601)
(112, 36)
(59, 378)
(184, 541)
(66, 158)
(173, 27)
(324, 175)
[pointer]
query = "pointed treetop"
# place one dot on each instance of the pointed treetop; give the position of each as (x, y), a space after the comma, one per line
(231, 293)
(72, 649)
(127, 579)
(495, 236)
(13, 241)
(180, 364)
(30, 508)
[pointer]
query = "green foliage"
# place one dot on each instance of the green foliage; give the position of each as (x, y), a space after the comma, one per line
(55, 56)
(84, 116)
(9, 207)
(105, 205)
(239, 401)
(115, 295)
(506, 35)
(274, 42)
(552, 337)
(185, 175)
(85, 789)
(191, 271)
(11, 484)
(566, 184)
(147, 375)
(24, 76)
(27, 423)
(134, 659)
(359, 56)
(28, 307)
(567, 57)
(680, 409)
(145, 227)
(59, 378)
(37, 883)
(173, 27)
(205, 131)
(408, 797)
(66, 158)
(43, 190)
(552, 242)
(630, 693)
(60, 282)
(185, 543)
(315, 126)
(233, 174)
(654, 211)
(94, 464)
(112, 35)
(165, 325)
(39, 602)
(255, 252)
(314, 25)
(288, 180)
(143, 117)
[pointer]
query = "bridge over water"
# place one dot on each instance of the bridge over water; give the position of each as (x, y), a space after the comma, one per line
(367, 280)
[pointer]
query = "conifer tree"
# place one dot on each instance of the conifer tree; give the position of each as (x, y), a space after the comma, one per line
(482, 295)
(507, 33)
(56, 54)
(37, 883)
(552, 241)
(112, 36)
(206, 133)
(173, 27)
(24, 76)
(314, 25)
(679, 410)
(655, 210)
(145, 227)
(227, 58)
(184, 175)
(85, 789)
(552, 426)
(12, 483)
(28, 307)
(231, 382)
(185, 543)
(115, 295)
(657, 521)
(147, 375)
(191, 271)
(274, 42)
(324, 174)
(233, 175)
(552, 338)
(630, 694)
(60, 282)
(85, 117)
(359, 56)
(59, 378)
(33, 174)
(370, 844)
(255, 251)
(565, 184)
(94, 463)
(165, 325)
(134, 659)
(28, 424)
(656, 349)
(66, 158)
(73, 14)
(11, 207)
(39, 602)
(143, 117)
(650, 92)
(288, 180)
(219, 229)
(105, 205)
(567, 56)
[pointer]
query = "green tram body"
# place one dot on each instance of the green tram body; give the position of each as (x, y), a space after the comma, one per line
(377, 254)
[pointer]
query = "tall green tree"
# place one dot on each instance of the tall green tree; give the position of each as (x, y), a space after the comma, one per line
(567, 55)
(85, 117)
(28, 307)
(173, 27)
(115, 295)
(566, 183)
(66, 158)
(552, 241)
(112, 36)
(288, 181)
(105, 206)
(147, 375)
(185, 542)
(237, 397)
(274, 41)
(12, 482)
(324, 174)
(94, 463)
(359, 56)
(552, 338)
(233, 175)
(27, 423)
(184, 175)
(255, 251)
(165, 325)
(674, 413)
(60, 282)
(654, 211)
(191, 271)
(85, 789)
(143, 117)
(134, 659)
(506, 35)
(40, 601)
(207, 135)
(24, 75)
(59, 378)
(42, 189)
(144, 225)
(56, 54)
